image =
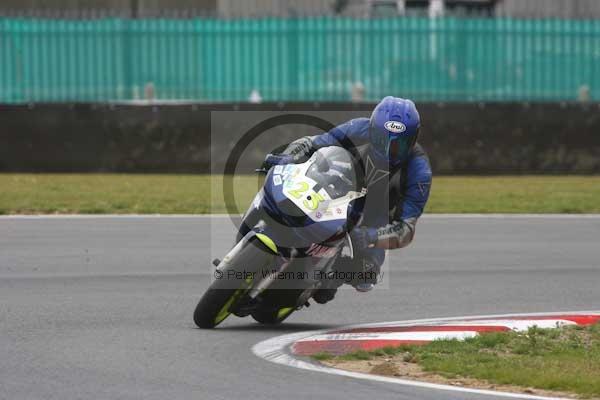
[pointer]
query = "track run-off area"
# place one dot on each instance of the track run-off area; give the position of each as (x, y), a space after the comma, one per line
(101, 306)
(294, 349)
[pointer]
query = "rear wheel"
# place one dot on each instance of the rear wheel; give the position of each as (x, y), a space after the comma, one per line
(272, 317)
(237, 278)
(277, 305)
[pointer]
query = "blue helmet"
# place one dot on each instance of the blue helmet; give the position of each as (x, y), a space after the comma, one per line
(394, 129)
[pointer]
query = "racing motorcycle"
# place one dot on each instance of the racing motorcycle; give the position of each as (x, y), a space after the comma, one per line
(296, 227)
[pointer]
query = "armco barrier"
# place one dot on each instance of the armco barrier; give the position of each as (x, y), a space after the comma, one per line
(467, 138)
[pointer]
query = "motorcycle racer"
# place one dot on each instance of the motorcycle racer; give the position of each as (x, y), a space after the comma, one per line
(398, 179)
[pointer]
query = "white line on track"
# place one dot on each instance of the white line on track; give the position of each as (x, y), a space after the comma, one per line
(276, 350)
(216, 216)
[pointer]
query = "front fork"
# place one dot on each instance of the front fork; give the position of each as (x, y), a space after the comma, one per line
(252, 227)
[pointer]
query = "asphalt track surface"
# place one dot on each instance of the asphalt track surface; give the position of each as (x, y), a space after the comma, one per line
(102, 308)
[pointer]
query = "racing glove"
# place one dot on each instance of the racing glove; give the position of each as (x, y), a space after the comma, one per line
(300, 150)
(296, 152)
(396, 235)
(276, 159)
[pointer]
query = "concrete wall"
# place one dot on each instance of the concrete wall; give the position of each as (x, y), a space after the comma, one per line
(570, 9)
(461, 138)
(255, 8)
(99, 8)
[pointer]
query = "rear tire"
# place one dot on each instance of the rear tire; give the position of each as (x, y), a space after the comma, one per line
(224, 294)
(272, 317)
(278, 305)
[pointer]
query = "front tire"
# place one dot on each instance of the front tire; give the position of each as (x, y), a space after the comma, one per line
(214, 306)
(224, 294)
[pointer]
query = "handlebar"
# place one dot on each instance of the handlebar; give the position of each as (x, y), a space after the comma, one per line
(272, 160)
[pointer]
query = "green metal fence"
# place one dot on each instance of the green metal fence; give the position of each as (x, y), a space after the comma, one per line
(447, 59)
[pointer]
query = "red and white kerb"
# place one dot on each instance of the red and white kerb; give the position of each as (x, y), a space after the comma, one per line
(375, 337)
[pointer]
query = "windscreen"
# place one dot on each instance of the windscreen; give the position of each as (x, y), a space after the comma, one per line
(333, 168)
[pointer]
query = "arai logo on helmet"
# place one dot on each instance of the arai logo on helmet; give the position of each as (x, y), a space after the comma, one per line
(395, 126)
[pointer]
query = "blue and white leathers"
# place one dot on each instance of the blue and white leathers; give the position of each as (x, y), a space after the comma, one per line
(397, 172)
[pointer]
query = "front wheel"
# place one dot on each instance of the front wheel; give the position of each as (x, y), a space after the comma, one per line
(224, 294)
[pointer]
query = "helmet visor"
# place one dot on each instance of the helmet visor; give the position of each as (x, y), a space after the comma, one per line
(394, 146)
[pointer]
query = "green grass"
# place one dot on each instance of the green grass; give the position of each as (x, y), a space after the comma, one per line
(322, 356)
(565, 359)
(118, 193)
(200, 194)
